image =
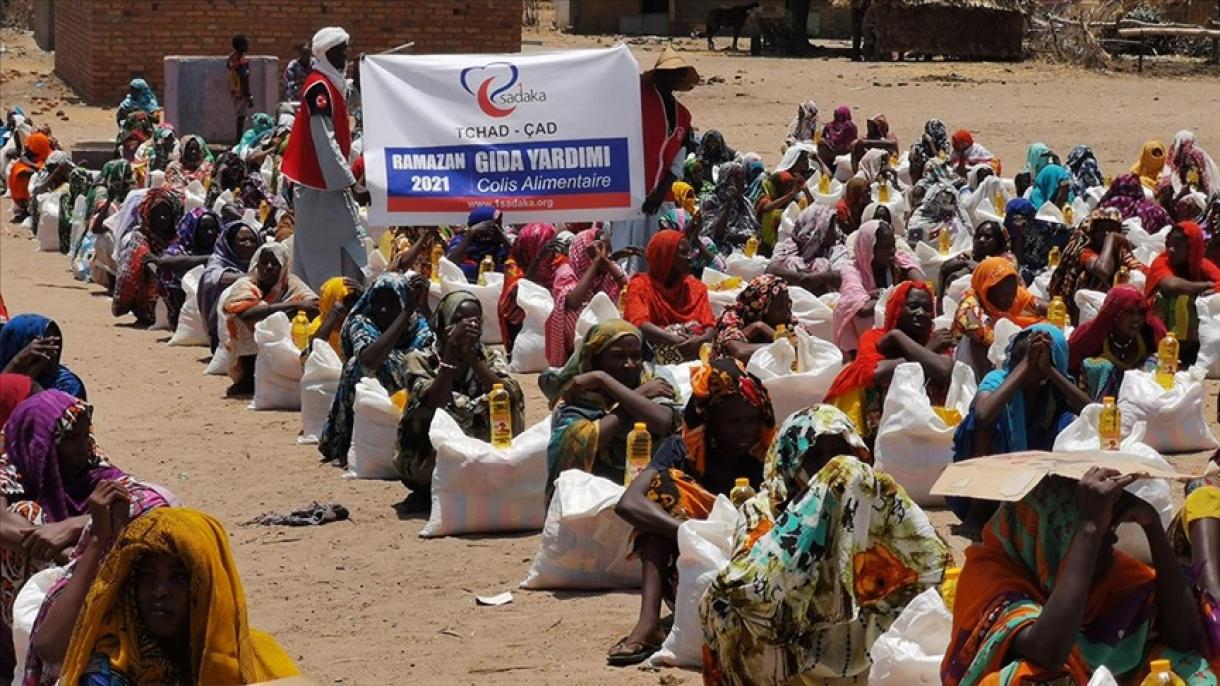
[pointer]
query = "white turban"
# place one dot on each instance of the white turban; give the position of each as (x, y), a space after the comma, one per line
(324, 40)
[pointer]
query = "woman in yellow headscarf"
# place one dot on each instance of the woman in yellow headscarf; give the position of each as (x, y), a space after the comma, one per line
(167, 607)
(684, 197)
(1151, 163)
(337, 298)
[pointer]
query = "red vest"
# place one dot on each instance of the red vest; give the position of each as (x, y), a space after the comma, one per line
(660, 144)
(300, 161)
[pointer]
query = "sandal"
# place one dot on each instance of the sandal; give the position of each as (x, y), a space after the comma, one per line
(616, 658)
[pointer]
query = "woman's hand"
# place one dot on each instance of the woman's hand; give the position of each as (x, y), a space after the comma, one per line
(33, 359)
(46, 542)
(109, 510)
(589, 382)
(657, 388)
(940, 341)
(1137, 511)
(463, 341)
(1098, 493)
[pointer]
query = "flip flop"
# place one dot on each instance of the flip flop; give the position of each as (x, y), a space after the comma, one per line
(646, 650)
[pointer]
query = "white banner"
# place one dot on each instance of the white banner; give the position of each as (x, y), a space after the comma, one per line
(542, 137)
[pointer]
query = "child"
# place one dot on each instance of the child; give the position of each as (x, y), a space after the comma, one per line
(239, 81)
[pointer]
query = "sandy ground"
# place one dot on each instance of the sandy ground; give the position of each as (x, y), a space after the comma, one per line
(367, 601)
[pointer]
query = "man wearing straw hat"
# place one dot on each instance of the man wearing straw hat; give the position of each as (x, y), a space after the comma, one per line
(667, 126)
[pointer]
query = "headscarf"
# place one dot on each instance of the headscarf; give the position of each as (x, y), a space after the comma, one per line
(561, 324)
(114, 173)
(1186, 153)
(878, 128)
(1018, 207)
(785, 475)
(751, 306)
(14, 389)
(78, 185)
(741, 221)
(650, 299)
(862, 371)
(1126, 195)
(224, 259)
(224, 649)
(32, 434)
(530, 241)
(261, 125)
(684, 196)
(143, 100)
(555, 382)
(802, 131)
(841, 132)
(856, 197)
(940, 211)
(1150, 165)
(1037, 156)
(324, 40)
(162, 133)
(965, 148)
(37, 149)
(1198, 267)
(162, 195)
(989, 273)
(254, 294)
(416, 335)
(962, 139)
(711, 158)
(858, 280)
(1082, 163)
(934, 141)
(793, 155)
(333, 291)
(872, 164)
(711, 383)
(19, 332)
(1008, 579)
(1088, 338)
(1072, 275)
(814, 237)
(1046, 185)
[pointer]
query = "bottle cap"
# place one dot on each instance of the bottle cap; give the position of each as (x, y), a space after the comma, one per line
(497, 387)
(741, 482)
(952, 573)
(1159, 666)
(1107, 400)
(640, 426)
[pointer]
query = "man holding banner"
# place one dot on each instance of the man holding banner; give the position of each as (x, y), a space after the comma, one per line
(667, 127)
(326, 243)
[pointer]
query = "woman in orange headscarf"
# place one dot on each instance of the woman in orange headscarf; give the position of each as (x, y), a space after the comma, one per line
(996, 292)
(1151, 164)
(37, 150)
(668, 304)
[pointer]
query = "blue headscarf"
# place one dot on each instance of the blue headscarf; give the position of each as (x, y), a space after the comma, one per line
(19, 332)
(1047, 185)
(360, 325)
(144, 100)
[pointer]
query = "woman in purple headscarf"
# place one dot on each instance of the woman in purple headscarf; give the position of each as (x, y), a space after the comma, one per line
(838, 136)
(1126, 195)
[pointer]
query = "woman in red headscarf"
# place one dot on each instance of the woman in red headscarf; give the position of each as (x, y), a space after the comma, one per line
(667, 303)
(533, 257)
(1123, 336)
(906, 336)
(37, 150)
(967, 154)
(588, 271)
(1176, 278)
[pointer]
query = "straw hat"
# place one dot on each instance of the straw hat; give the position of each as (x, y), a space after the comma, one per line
(671, 60)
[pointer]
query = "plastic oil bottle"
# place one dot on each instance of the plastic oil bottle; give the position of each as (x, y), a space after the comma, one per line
(883, 191)
(1069, 217)
(997, 201)
(705, 353)
(781, 333)
(948, 587)
(639, 452)
(1162, 673)
(1057, 312)
(1167, 360)
(751, 246)
(1122, 276)
(486, 265)
(824, 183)
(1053, 257)
(300, 330)
(944, 241)
(1110, 424)
(437, 253)
(501, 417)
(622, 297)
(742, 491)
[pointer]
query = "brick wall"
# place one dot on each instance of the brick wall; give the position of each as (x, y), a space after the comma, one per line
(102, 44)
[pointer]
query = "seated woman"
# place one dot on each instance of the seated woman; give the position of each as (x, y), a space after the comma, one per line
(598, 396)
(784, 186)
(905, 336)
(995, 293)
(727, 429)
(967, 154)
(1037, 157)
(877, 137)
(32, 345)
(33, 157)
(483, 237)
(876, 263)
(534, 257)
(1095, 253)
(154, 154)
(337, 297)
(269, 287)
(1176, 279)
(135, 130)
(850, 209)
(91, 256)
(838, 137)
(193, 164)
(589, 271)
(1047, 599)
(78, 187)
(933, 144)
(192, 247)
(798, 603)
(261, 126)
(1189, 165)
(1127, 196)
(1021, 406)
(727, 216)
(698, 177)
(1151, 164)
(1086, 174)
(454, 374)
(168, 607)
(139, 98)
(812, 255)
(668, 304)
(1032, 239)
(135, 288)
(1052, 185)
(713, 151)
(383, 326)
(1123, 336)
(940, 211)
(990, 240)
(803, 126)
(749, 324)
(229, 261)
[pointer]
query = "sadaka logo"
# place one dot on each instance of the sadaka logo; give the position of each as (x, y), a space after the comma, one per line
(492, 98)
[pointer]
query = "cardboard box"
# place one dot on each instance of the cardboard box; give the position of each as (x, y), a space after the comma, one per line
(1011, 477)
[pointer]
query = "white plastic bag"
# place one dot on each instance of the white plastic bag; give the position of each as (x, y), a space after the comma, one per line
(829, 199)
(529, 348)
(911, 651)
(477, 488)
(704, 548)
(374, 433)
(681, 375)
(1041, 286)
(584, 543)
(1144, 245)
(1003, 331)
(957, 288)
(815, 314)
(787, 222)
(914, 444)
(160, 316)
(194, 196)
(930, 259)
(375, 266)
(720, 299)
(1175, 417)
(600, 309)
(277, 368)
(818, 360)
(25, 610)
(747, 268)
(1209, 335)
(1102, 677)
(319, 384)
(1089, 304)
(192, 330)
(48, 221)
(489, 297)
(219, 366)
